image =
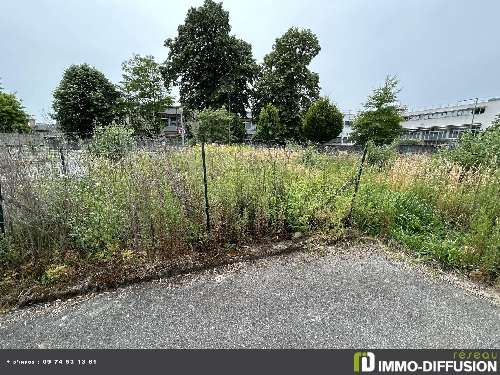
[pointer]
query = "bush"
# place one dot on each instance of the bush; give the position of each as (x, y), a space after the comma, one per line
(476, 150)
(112, 142)
(269, 126)
(380, 156)
(429, 209)
(213, 126)
(322, 121)
(54, 274)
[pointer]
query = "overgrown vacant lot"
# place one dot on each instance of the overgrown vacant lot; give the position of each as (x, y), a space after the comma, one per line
(105, 219)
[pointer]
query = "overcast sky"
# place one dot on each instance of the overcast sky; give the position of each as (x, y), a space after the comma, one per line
(442, 50)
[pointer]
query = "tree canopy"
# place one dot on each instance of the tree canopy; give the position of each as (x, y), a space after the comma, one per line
(237, 128)
(322, 121)
(143, 93)
(212, 68)
(84, 99)
(12, 115)
(269, 126)
(13, 118)
(380, 120)
(286, 81)
(213, 126)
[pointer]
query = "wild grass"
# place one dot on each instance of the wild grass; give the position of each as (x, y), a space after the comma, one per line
(150, 206)
(436, 209)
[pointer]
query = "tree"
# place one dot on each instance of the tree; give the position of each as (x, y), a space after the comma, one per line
(84, 99)
(322, 121)
(380, 120)
(286, 81)
(237, 129)
(213, 126)
(212, 68)
(269, 126)
(144, 93)
(12, 115)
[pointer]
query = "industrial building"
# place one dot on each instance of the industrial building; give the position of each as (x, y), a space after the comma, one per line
(444, 124)
(438, 125)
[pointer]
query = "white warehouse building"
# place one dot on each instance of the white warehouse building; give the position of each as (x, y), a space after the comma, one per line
(439, 124)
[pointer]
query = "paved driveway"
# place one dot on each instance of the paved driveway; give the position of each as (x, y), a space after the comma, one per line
(360, 297)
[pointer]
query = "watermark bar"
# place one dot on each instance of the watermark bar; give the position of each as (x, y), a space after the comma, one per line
(220, 362)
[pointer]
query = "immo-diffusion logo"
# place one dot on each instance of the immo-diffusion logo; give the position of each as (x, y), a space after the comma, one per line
(364, 361)
(455, 363)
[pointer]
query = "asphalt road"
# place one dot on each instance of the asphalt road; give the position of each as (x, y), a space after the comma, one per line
(358, 298)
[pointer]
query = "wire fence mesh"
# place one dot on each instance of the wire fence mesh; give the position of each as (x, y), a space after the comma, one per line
(159, 199)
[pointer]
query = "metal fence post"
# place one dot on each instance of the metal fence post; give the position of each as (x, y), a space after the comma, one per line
(207, 211)
(63, 161)
(2, 217)
(356, 184)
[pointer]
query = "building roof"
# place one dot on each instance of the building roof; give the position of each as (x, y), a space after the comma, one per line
(44, 127)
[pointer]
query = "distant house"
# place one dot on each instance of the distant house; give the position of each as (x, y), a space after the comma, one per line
(173, 121)
(250, 125)
(44, 127)
(344, 138)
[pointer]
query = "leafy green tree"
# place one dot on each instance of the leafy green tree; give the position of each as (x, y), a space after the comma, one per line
(286, 81)
(144, 94)
(380, 121)
(237, 129)
(84, 99)
(322, 121)
(12, 115)
(212, 68)
(269, 126)
(213, 126)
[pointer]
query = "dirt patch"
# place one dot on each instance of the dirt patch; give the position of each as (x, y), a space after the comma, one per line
(116, 272)
(92, 278)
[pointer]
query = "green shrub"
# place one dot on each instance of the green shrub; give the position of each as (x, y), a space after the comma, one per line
(112, 142)
(13, 118)
(213, 126)
(420, 216)
(269, 126)
(9, 257)
(380, 156)
(475, 150)
(54, 274)
(322, 121)
(237, 128)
